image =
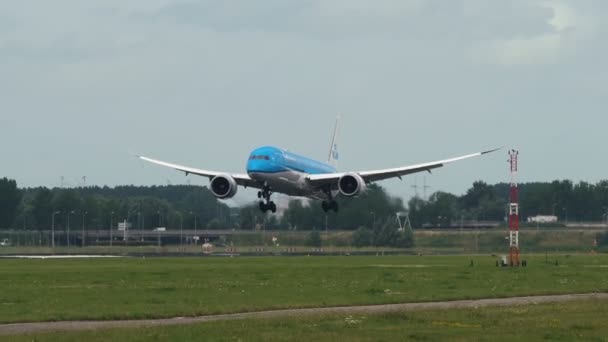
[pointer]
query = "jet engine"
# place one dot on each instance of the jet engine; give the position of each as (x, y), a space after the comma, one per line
(351, 184)
(223, 186)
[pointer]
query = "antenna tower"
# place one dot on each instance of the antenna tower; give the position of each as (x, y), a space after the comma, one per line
(425, 187)
(415, 187)
(513, 211)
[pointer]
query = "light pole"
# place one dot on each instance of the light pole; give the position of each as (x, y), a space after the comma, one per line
(461, 220)
(68, 235)
(159, 218)
(373, 220)
(24, 225)
(53, 228)
(181, 230)
(127, 222)
(84, 214)
(111, 223)
(141, 236)
(195, 227)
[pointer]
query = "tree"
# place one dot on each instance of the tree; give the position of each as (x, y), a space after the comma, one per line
(250, 216)
(405, 239)
(388, 234)
(385, 233)
(42, 208)
(442, 208)
(214, 224)
(418, 211)
(10, 198)
(363, 237)
(313, 239)
(375, 202)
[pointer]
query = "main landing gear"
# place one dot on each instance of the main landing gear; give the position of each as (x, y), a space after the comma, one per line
(267, 204)
(331, 204)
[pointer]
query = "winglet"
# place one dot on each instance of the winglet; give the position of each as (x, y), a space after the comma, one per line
(493, 150)
(132, 153)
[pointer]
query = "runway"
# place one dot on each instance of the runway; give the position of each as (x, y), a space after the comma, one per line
(59, 256)
(28, 328)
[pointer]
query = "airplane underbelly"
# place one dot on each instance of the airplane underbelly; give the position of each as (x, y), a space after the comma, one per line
(286, 182)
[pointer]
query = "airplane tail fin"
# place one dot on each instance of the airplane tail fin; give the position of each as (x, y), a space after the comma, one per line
(333, 149)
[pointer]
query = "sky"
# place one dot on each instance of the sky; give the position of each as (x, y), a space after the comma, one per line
(85, 85)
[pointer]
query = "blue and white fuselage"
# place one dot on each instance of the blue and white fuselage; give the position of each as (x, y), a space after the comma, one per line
(286, 172)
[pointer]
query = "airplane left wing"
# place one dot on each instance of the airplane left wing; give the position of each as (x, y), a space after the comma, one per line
(241, 179)
(378, 175)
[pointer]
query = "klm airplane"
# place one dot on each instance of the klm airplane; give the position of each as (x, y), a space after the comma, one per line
(271, 169)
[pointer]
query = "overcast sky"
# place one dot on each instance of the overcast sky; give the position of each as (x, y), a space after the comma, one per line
(84, 84)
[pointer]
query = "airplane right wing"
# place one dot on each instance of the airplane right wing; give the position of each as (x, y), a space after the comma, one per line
(241, 179)
(377, 175)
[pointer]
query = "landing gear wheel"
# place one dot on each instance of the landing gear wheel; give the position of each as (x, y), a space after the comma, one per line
(331, 205)
(268, 205)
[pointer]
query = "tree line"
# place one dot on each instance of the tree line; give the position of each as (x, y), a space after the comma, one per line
(569, 202)
(144, 207)
(147, 207)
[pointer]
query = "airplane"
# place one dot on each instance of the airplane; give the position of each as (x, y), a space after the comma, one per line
(271, 169)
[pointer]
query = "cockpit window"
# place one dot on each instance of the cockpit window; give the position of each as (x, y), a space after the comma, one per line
(254, 157)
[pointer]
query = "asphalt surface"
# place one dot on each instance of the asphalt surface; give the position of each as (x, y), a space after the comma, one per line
(28, 328)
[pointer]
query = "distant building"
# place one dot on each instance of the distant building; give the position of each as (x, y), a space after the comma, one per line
(543, 219)
(124, 225)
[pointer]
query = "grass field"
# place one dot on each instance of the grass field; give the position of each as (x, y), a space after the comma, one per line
(573, 321)
(44, 290)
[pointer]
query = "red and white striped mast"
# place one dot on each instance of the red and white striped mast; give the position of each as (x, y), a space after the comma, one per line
(513, 211)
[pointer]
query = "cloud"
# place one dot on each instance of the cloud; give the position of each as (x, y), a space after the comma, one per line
(566, 27)
(144, 69)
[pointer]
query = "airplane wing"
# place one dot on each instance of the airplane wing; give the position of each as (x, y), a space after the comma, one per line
(241, 179)
(378, 175)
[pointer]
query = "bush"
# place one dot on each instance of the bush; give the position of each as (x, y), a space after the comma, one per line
(313, 239)
(405, 238)
(214, 224)
(362, 237)
(602, 239)
(389, 235)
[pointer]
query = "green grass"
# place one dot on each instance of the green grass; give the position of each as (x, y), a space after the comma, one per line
(43, 290)
(572, 321)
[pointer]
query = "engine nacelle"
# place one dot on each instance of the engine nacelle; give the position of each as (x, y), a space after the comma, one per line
(223, 186)
(351, 184)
